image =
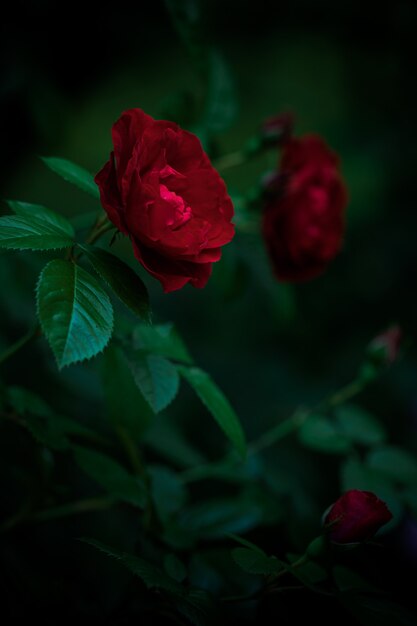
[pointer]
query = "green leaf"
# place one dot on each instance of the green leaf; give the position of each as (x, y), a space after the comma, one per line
(221, 106)
(359, 426)
(221, 516)
(349, 580)
(394, 463)
(309, 573)
(319, 433)
(180, 452)
(255, 562)
(125, 283)
(75, 313)
(28, 210)
(162, 340)
(24, 233)
(168, 492)
(156, 377)
(112, 476)
(125, 405)
(217, 404)
(175, 568)
(151, 576)
(47, 432)
(73, 174)
(245, 543)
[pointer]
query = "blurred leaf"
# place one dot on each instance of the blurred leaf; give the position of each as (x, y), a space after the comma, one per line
(256, 562)
(197, 606)
(112, 476)
(175, 568)
(168, 492)
(348, 580)
(34, 233)
(125, 283)
(245, 543)
(394, 463)
(47, 432)
(309, 573)
(125, 405)
(221, 103)
(75, 313)
(186, 17)
(156, 377)
(375, 610)
(217, 404)
(359, 426)
(27, 210)
(73, 174)
(162, 340)
(319, 433)
(218, 517)
(179, 451)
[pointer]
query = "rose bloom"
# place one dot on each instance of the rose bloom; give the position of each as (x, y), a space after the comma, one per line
(303, 222)
(356, 516)
(160, 189)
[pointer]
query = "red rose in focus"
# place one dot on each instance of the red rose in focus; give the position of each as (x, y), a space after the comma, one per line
(160, 189)
(356, 516)
(303, 222)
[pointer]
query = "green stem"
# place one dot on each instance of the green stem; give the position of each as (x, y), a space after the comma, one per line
(278, 432)
(20, 343)
(132, 452)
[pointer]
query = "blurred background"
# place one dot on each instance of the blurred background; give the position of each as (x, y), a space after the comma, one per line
(346, 71)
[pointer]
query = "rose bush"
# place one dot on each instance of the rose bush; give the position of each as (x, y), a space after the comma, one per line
(160, 189)
(303, 222)
(356, 516)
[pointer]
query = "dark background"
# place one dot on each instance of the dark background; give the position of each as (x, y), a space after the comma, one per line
(346, 71)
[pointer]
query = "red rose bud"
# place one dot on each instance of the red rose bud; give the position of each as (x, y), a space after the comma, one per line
(356, 516)
(385, 348)
(303, 222)
(160, 189)
(277, 130)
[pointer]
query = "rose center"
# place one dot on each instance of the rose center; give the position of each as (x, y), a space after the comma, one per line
(178, 213)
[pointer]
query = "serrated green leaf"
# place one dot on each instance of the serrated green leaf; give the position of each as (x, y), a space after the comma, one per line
(75, 313)
(175, 568)
(162, 340)
(359, 425)
(217, 404)
(34, 233)
(394, 463)
(319, 433)
(151, 576)
(112, 476)
(125, 283)
(125, 405)
(29, 210)
(73, 174)
(156, 378)
(254, 562)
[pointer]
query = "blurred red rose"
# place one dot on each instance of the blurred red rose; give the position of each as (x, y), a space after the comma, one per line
(356, 516)
(303, 222)
(160, 189)
(385, 347)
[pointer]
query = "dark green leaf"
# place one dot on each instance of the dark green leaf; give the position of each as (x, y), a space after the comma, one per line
(394, 463)
(245, 543)
(125, 283)
(309, 573)
(348, 580)
(162, 340)
(24, 233)
(319, 433)
(217, 404)
(218, 517)
(181, 453)
(151, 576)
(359, 426)
(75, 313)
(175, 568)
(156, 378)
(125, 405)
(168, 492)
(375, 610)
(221, 106)
(255, 562)
(112, 476)
(29, 211)
(47, 432)
(73, 174)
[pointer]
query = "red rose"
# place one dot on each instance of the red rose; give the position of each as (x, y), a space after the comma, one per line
(160, 189)
(386, 347)
(303, 222)
(356, 516)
